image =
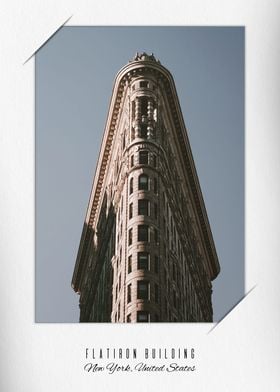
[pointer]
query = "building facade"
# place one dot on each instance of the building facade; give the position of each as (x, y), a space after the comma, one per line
(146, 252)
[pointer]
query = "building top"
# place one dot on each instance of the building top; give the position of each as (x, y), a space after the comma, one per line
(139, 66)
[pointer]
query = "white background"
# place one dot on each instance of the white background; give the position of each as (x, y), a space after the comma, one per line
(241, 352)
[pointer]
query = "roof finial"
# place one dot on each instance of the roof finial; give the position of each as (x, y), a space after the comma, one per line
(144, 57)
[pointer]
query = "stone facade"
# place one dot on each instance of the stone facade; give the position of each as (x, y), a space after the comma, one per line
(146, 252)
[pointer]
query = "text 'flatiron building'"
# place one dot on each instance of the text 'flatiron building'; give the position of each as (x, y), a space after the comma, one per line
(146, 252)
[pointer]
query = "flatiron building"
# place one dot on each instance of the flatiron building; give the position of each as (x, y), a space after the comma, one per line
(146, 252)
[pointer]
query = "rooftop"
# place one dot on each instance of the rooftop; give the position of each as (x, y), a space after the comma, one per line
(144, 57)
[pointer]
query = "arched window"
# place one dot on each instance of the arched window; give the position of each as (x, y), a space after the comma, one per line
(143, 182)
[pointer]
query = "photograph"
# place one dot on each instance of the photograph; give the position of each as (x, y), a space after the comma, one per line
(139, 174)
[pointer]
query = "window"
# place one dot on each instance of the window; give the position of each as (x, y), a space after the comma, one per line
(129, 236)
(156, 317)
(143, 182)
(143, 84)
(143, 233)
(132, 133)
(143, 207)
(155, 185)
(143, 260)
(128, 318)
(129, 264)
(155, 211)
(156, 293)
(143, 317)
(120, 281)
(156, 235)
(143, 129)
(129, 293)
(130, 210)
(156, 264)
(143, 289)
(144, 106)
(132, 161)
(133, 110)
(143, 157)
(131, 186)
(174, 299)
(154, 160)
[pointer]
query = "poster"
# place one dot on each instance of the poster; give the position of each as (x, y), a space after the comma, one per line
(239, 352)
